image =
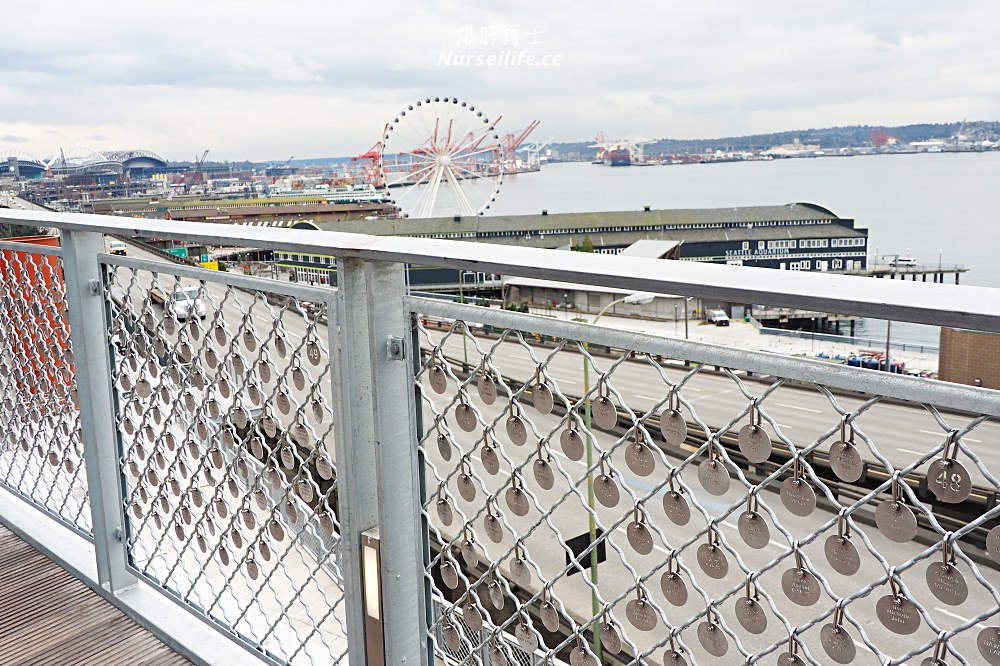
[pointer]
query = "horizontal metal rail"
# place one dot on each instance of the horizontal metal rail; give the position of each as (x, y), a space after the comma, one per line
(938, 304)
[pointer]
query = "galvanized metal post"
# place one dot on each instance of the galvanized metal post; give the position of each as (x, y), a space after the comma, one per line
(92, 369)
(400, 494)
(355, 442)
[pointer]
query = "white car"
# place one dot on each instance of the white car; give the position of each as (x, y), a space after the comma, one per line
(186, 302)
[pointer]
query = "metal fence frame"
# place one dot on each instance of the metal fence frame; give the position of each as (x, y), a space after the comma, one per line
(376, 357)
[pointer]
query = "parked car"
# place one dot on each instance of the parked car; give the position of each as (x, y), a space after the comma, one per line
(718, 317)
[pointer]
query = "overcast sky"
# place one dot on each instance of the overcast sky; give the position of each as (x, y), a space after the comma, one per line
(266, 80)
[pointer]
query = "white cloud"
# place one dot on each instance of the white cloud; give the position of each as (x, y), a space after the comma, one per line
(256, 79)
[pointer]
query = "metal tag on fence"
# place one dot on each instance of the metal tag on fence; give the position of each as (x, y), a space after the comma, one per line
(572, 444)
(550, 616)
(641, 614)
(837, 643)
(674, 588)
(580, 657)
(845, 461)
(520, 573)
(712, 561)
(452, 639)
(466, 417)
(714, 477)
(993, 543)
(988, 643)
(544, 475)
(673, 427)
(842, 555)
(639, 538)
(526, 638)
(517, 501)
(606, 491)
(495, 593)
(444, 512)
(437, 378)
(516, 430)
(541, 398)
(611, 640)
(264, 371)
(470, 554)
(488, 456)
(676, 507)
(604, 412)
(800, 586)
(750, 615)
(472, 616)
(896, 521)
(487, 389)
(754, 530)
(898, 614)
(754, 443)
(947, 583)
(673, 658)
(712, 638)
(798, 496)
(640, 459)
(949, 481)
(466, 487)
(494, 530)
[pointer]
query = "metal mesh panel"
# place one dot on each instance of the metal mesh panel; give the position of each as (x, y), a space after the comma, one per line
(226, 431)
(619, 505)
(40, 443)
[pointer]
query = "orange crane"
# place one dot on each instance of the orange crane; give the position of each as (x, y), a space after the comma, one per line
(511, 141)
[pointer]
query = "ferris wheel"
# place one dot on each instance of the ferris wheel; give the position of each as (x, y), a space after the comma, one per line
(441, 156)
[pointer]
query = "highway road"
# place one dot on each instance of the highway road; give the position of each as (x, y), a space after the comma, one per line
(901, 432)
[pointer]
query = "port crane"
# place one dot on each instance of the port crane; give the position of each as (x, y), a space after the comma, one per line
(511, 141)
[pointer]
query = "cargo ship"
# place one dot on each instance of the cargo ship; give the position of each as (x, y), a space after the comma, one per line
(617, 157)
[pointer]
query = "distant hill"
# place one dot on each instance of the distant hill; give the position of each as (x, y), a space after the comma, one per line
(829, 137)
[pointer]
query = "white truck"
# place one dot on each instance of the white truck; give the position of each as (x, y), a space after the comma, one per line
(718, 317)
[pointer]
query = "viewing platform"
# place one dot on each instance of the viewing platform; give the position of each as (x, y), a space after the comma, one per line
(269, 472)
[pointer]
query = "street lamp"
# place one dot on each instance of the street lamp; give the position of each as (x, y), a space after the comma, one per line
(636, 298)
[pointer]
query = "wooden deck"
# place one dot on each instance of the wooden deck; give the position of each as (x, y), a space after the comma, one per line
(49, 618)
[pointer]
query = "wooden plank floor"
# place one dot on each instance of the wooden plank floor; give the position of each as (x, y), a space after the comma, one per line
(49, 618)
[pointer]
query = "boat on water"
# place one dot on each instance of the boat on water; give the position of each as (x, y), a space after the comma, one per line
(618, 157)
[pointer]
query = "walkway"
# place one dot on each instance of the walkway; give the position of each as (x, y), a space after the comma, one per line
(49, 618)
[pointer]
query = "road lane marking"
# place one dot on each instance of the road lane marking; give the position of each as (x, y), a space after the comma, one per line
(562, 381)
(801, 409)
(649, 397)
(714, 395)
(910, 451)
(955, 616)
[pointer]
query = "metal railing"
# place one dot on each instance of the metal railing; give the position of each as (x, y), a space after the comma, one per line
(330, 483)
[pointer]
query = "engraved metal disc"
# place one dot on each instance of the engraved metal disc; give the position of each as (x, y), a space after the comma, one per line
(993, 543)
(572, 444)
(611, 640)
(714, 477)
(444, 512)
(641, 614)
(842, 555)
(673, 427)
(949, 481)
(988, 643)
(947, 583)
(544, 475)
(466, 417)
(837, 643)
(676, 507)
(466, 487)
(754, 530)
(541, 398)
(491, 463)
(798, 496)
(452, 639)
(580, 657)
(674, 589)
(313, 353)
(496, 595)
(640, 459)
(449, 574)
(712, 561)
(516, 430)
(287, 456)
(800, 586)
(750, 615)
(754, 443)
(239, 365)
(276, 531)
(494, 530)
(517, 501)
(713, 639)
(472, 616)
(298, 378)
(896, 521)
(606, 491)
(845, 461)
(898, 614)
(487, 390)
(604, 413)
(520, 572)
(324, 467)
(438, 379)
(526, 638)
(550, 616)
(640, 538)
(284, 402)
(789, 659)
(470, 554)
(673, 658)
(444, 446)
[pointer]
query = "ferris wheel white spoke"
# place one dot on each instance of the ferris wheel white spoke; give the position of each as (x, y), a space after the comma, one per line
(425, 204)
(463, 155)
(459, 195)
(408, 175)
(413, 186)
(473, 174)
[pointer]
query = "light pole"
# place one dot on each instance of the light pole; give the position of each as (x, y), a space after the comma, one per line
(637, 298)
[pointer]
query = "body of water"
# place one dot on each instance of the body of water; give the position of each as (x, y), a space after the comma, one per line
(928, 206)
